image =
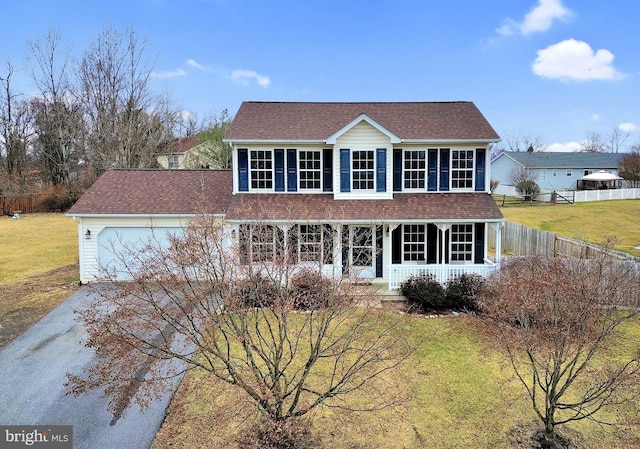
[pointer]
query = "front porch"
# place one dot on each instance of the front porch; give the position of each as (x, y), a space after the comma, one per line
(441, 272)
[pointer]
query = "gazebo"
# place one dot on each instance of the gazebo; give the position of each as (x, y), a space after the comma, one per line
(599, 180)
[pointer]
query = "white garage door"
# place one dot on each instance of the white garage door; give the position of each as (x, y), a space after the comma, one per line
(114, 244)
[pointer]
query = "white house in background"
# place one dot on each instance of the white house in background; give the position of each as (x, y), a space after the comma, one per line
(552, 170)
(187, 153)
(384, 190)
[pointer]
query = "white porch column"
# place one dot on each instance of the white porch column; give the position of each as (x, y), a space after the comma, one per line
(497, 227)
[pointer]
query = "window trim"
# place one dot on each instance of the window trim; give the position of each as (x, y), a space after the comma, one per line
(306, 244)
(320, 170)
(372, 170)
(424, 170)
(271, 171)
(453, 235)
(471, 169)
(174, 161)
(423, 243)
(256, 247)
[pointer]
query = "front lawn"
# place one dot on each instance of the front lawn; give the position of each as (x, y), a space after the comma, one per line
(456, 392)
(38, 269)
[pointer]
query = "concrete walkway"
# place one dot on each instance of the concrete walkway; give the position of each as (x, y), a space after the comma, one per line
(32, 374)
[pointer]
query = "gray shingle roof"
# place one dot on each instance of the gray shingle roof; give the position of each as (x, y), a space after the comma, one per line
(459, 120)
(541, 159)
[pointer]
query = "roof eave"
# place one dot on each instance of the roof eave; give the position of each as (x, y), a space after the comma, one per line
(147, 215)
(449, 141)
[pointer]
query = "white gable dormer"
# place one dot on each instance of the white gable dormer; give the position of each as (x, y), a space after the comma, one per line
(362, 160)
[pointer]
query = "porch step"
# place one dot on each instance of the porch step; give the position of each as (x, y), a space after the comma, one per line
(379, 293)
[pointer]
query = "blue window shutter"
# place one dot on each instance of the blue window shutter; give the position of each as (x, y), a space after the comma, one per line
(444, 169)
(327, 170)
(481, 162)
(479, 250)
(292, 171)
(279, 163)
(381, 170)
(432, 171)
(345, 170)
(243, 170)
(397, 170)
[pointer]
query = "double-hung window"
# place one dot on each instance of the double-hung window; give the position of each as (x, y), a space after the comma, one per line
(174, 161)
(363, 169)
(461, 243)
(309, 169)
(413, 242)
(462, 169)
(261, 169)
(263, 243)
(310, 243)
(414, 173)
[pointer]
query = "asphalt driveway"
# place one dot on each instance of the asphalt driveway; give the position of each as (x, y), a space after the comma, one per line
(32, 374)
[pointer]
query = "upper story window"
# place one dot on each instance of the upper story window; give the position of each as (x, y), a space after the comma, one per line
(415, 166)
(261, 172)
(568, 172)
(462, 169)
(174, 161)
(310, 169)
(363, 170)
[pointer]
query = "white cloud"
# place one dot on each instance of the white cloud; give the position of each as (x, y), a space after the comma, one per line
(573, 60)
(193, 63)
(543, 15)
(245, 77)
(539, 19)
(627, 127)
(168, 74)
(564, 147)
(595, 117)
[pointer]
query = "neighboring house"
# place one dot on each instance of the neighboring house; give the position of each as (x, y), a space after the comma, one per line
(186, 153)
(552, 170)
(375, 190)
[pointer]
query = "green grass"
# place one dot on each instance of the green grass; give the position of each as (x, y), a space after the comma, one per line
(458, 392)
(38, 269)
(590, 221)
(36, 244)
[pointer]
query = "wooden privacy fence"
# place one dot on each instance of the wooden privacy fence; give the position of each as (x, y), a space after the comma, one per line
(26, 204)
(520, 240)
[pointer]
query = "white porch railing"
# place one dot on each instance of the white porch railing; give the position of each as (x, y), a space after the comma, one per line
(441, 273)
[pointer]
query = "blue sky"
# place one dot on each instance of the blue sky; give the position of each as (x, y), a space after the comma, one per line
(556, 69)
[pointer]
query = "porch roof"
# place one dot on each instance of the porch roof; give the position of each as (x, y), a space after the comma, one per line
(404, 206)
(177, 192)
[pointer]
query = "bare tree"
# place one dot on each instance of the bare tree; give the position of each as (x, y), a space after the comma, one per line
(523, 179)
(629, 166)
(127, 120)
(15, 128)
(57, 116)
(616, 139)
(291, 339)
(554, 318)
(524, 142)
(593, 143)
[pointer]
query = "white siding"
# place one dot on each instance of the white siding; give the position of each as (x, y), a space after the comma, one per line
(363, 136)
(90, 249)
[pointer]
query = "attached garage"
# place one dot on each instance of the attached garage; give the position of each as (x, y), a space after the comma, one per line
(126, 208)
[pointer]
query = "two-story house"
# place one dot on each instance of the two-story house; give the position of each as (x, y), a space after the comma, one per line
(373, 190)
